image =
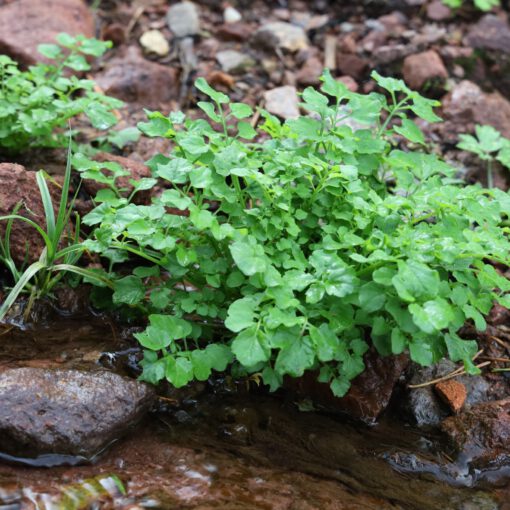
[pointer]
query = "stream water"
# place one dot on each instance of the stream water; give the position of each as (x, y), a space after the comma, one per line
(220, 446)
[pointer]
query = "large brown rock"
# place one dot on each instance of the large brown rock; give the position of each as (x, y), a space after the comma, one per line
(19, 185)
(24, 24)
(66, 412)
(370, 392)
(423, 68)
(134, 79)
(482, 432)
(466, 104)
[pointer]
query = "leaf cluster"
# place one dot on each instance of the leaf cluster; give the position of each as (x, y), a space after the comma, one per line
(304, 249)
(37, 103)
(483, 5)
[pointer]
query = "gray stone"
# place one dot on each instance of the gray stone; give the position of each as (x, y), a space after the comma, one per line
(423, 404)
(232, 61)
(67, 412)
(282, 101)
(183, 19)
(282, 35)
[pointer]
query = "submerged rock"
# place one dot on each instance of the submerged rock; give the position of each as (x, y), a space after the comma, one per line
(67, 412)
(25, 24)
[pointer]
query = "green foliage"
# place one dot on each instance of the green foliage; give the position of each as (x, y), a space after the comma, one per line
(36, 104)
(302, 250)
(62, 247)
(483, 5)
(489, 145)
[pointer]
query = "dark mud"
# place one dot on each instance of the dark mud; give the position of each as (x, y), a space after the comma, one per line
(229, 448)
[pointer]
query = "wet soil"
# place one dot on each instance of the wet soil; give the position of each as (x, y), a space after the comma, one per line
(227, 448)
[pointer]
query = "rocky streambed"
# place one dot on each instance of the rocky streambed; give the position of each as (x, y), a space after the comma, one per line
(80, 433)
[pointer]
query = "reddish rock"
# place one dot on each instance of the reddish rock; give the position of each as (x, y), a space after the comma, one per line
(482, 431)
(24, 24)
(466, 104)
(490, 33)
(453, 393)
(438, 11)
(220, 79)
(236, 32)
(134, 79)
(136, 170)
(310, 73)
(369, 394)
(351, 65)
(423, 68)
(19, 185)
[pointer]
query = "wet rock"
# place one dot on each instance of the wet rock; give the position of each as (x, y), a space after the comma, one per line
(423, 68)
(453, 393)
(231, 15)
(153, 41)
(136, 171)
(67, 412)
(369, 394)
(234, 62)
(237, 32)
(281, 35)
(25, 24)
(183, 19)
(422, 404)
(310, 73)
(466, 104)
(282, 101)
(351, 65)
(490, 33)
(19, 185)
(438, 11)
(136, 80)
(481, 433)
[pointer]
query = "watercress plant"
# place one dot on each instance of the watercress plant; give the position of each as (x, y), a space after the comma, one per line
(304, 249)
(36, 104)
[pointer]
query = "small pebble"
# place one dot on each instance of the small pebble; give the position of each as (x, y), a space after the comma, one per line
(153, 41)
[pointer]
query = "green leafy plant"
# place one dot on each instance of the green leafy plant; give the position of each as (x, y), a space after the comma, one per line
(490, 146)
(483, 5)
(302, 251)
(35, 105)
(60, 255)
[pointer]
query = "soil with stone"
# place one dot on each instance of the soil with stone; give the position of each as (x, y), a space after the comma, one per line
(405, 437)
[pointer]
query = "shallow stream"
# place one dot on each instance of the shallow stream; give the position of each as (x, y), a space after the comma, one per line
(227, 447)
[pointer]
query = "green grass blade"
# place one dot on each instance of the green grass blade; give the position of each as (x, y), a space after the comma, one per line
(49, 213)
(44, 235)
(28, 274)
(83, 272)
(62, 208)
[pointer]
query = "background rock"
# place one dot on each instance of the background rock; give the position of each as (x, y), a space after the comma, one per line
(24, 24)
